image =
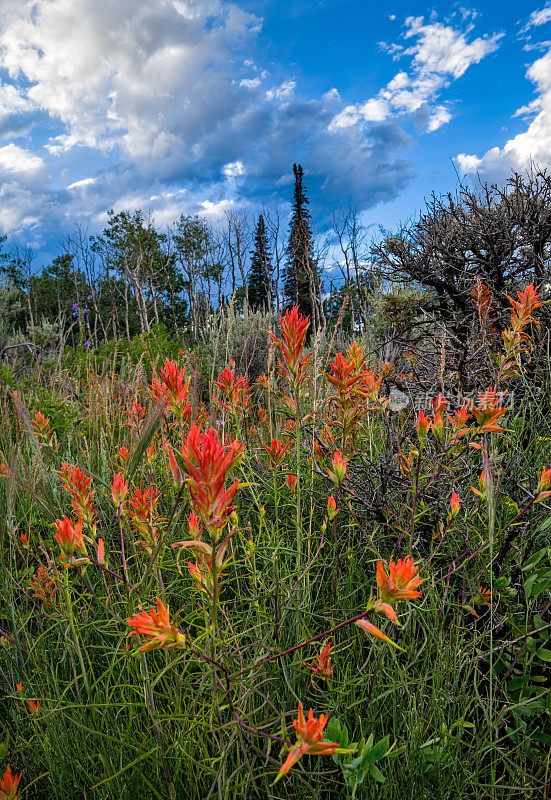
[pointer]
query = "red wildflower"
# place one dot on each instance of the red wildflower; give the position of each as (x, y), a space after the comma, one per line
(344, 374)
(143, 512)
(459, 421)
(294, 328)
(481, 491)
(77, 483)
(69, 537)
(100, 554)
(208, 462)
(155, 626)
(484, 594)
(332, 509)
(123, 456)
(455, 505)
(33, 706)
(8, 785)
(43, 585)
(438, 404)
(543, 485)
(483, 299)
(136, 416)
(291, 481)
(339, 464)
(528, 301)
(422, 425)
(323, 661)
(119, 489)
(400, 583)
(235, 390)
(201, 572)
(488, 411)
(370, 384)
(40, 425)
(173, 387)
(310, 740)
(368, 627)
(276, 451)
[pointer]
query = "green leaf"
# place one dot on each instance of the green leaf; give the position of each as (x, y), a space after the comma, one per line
(544, 654)
(534, 560)
(337, 732)
(376, 773)
(379, 750)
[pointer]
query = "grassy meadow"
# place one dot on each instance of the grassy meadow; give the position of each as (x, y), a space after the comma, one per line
(192, 552)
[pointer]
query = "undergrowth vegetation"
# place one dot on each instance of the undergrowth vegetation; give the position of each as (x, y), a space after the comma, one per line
(306, 580)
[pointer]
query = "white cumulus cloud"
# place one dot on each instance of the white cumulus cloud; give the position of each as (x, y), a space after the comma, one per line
(439, 55)
(530, 146)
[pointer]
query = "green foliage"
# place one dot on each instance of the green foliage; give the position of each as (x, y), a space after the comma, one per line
(355, 770)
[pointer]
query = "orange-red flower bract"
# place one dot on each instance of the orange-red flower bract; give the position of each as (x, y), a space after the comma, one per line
(235, 389)
(323, 661)
(43, 585)
(488, 411)
(69, 536)
(33, 706)
(422, 425)
(208, 461)
(339, 464)
(543, 485)
(276, 451)
(173, 387)
(310, 740)
(455, 504)
(332, 509)
(529, 300)
(40, 427)
(155, 626)
(401, 582)
(8, 785)
(294, 327)
(119, 489)
(368, 627)
(76, 483)
(291, 481)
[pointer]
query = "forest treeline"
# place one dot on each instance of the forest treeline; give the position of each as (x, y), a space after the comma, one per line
(136, 274)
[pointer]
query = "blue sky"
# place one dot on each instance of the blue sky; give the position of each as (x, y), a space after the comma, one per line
(202, 106)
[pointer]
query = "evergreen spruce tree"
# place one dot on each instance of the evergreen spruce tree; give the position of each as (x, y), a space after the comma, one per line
(260, 289)
(301, 279)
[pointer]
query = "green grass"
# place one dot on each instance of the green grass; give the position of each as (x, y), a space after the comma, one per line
(466, 713)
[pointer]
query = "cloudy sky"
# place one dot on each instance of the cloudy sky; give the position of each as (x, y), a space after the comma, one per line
(199, 106)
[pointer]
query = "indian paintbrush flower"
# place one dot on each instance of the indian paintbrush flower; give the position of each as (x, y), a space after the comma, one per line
(77, 484)
(156, 628)
(332, 509)
(8, 785)
(294, 327)
(276, 451)
(338, 472)
(70, 539)
(208, 462)
(543, 485)
(310, 740)
(119, 489)
(455, 505)
(422, 425)
(401, 582)
(323, 661)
